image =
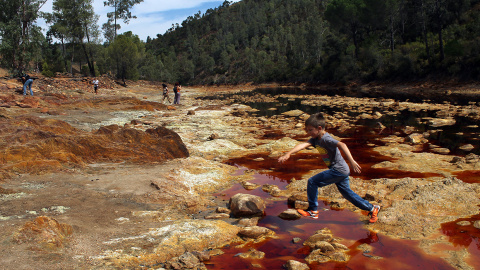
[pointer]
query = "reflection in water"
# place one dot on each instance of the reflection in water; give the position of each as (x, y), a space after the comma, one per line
(305, 162)
(445, 136)
(384, 252)
(465, 232)
(469, 176)
(381, 252)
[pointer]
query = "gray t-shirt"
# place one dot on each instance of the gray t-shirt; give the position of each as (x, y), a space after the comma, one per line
(327, 147)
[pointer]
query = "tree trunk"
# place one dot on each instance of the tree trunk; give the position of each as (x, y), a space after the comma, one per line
(71, 62)
(124, 75)
(64, 54)
(424, 30)
(425, 40)
(23, 45)
(15, 64)
(440, 42)
(355, 40)
(87, 58)
(115, 21)
(392, 34)
(26, 18)
(91, 65)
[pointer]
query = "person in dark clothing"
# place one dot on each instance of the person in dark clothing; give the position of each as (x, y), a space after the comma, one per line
(28, 83)
(176, 90)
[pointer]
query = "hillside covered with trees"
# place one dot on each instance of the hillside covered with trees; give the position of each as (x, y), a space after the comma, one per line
(312, 41)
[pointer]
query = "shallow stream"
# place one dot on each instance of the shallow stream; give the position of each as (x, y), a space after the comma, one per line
(384, 252)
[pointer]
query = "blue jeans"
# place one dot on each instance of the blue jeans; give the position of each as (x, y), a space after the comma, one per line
(29, 84)
(332, 176)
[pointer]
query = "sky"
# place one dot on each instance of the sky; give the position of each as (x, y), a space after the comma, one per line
(153, 16)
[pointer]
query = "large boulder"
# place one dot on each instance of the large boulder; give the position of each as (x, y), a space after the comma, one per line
(296, 265)
(439, 122)
(293, 113)
(246, 205)
(290, 214)
(255, 232)
(416, 138)
(188, 260)
(325, 248)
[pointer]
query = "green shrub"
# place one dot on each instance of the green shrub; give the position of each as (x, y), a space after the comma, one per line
(46, 71)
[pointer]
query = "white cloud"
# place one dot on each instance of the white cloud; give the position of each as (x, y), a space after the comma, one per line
(148, 6)
(153, 16)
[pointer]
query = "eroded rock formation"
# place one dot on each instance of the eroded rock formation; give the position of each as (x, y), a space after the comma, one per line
(37, 145)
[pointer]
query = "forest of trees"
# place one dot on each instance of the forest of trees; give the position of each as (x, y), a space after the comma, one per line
(312, 41)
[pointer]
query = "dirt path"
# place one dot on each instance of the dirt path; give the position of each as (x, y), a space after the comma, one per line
(101, 201)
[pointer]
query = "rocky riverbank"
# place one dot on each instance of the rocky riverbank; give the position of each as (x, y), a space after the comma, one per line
(119, 180)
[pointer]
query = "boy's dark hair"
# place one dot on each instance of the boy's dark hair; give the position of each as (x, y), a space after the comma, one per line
(164, 85)
(316, 120)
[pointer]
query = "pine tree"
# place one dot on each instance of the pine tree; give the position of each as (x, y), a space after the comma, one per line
(122, 10)
(17, 18)
(76, 21)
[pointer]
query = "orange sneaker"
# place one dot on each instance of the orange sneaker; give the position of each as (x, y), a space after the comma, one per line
(308, 213)
(374, 214)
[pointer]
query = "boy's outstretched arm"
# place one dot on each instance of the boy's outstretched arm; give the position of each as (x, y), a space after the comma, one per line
(297, 148)
(356, 168)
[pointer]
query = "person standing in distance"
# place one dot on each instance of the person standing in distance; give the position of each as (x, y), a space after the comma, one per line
(176, 91)
(338, 171)
(165, 93)
(95, 84)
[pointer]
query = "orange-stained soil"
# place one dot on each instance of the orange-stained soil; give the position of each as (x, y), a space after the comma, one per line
(78, 170)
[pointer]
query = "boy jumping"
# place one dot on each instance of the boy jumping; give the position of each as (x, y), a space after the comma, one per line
(338, 170)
